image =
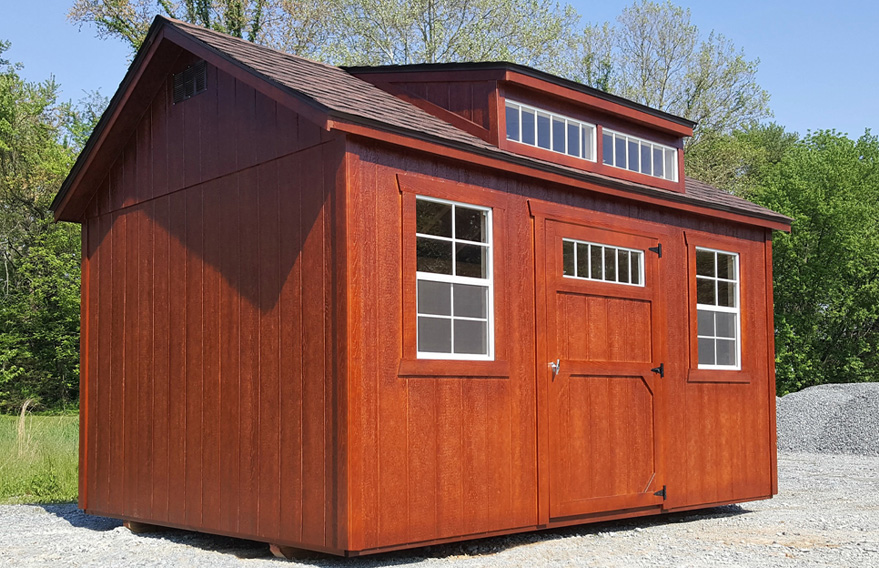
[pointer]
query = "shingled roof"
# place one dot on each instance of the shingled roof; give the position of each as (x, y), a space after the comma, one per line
(346, 98)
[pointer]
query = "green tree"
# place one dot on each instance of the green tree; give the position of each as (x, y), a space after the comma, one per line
(737, 162)
(376, 32)
(827, 269)
(130, 20)
(362, 32)
(654, 55)
(39, 279)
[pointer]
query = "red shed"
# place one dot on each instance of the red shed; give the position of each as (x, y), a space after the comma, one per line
(356, 310)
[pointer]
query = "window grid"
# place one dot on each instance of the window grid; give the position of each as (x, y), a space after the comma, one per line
(555, 142)
(618, 152)
(486, 283)
(711, 317)
(633, 261)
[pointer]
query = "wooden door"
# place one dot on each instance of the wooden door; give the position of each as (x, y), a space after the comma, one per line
(604, 339)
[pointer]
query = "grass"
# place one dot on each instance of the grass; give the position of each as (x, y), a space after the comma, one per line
(38, 458)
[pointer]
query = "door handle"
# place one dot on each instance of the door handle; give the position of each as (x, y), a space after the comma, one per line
(555, 367)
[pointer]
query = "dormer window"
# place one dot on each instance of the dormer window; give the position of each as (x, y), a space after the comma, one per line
(550, 131)
(639, 155)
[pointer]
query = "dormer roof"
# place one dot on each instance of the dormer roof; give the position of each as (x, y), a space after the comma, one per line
(336, 98)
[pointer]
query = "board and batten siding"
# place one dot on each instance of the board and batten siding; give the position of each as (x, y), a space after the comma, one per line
(212, 261)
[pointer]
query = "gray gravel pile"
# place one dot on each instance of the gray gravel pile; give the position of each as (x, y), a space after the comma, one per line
(830, 419)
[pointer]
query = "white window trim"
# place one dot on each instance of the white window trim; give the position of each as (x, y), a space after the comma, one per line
(737, 310)
(487, 282)
(554, 115)
(616, 255)
(641, 141)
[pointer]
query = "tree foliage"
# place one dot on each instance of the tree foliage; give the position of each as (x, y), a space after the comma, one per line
(737, 162)
(361, 32)
(827, 269)
(39, 278)
(654, 55)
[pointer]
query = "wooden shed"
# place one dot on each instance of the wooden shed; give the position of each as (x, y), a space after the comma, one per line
(356, 310)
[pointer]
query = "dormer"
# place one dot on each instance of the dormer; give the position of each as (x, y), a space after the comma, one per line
(528, 112)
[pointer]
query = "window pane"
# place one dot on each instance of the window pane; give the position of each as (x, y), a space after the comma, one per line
(704, 263)
(633, 156)
(706, 352)
(596, 258)
(471, 301)
(470, 224)
(726, 266)
(574, 140)
(657, 162)
(512, 122)
(470, 261)
(726, 325)
(434, 335)
(726, 352)
(610, 264)
(726, 294)
(432, 218)
(543, 130)
(620, 155)
(582, 260)
(433, 255)
(636, 268)
(588, 133)
(558, 135)
(671, 165)
(623, 265)
(568, 258)
(470, 337)
(705, 323)
(607, 149)
(434, 298)
(645, 160)
(528, 126)
(705, 292)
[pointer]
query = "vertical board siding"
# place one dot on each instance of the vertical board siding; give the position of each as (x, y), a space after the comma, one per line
(469, 99)
(209, 296)
(436, 457)
(227, 128)
(443, 457)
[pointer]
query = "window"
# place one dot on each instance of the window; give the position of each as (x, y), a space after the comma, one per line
(550, 131)
(454, 289)
(592, 261)
(718, 325)
(639, 155)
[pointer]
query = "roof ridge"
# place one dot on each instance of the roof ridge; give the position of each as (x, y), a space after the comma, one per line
(228, 37)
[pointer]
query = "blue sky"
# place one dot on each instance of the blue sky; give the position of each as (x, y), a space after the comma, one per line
(819, 61)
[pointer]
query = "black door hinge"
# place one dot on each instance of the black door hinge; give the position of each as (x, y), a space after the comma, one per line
(660, 370)
(657, 249)
(661, 493)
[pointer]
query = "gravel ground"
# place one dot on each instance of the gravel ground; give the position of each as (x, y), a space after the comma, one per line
(826, 514)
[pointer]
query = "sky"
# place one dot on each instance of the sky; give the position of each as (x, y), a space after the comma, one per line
(819, 61)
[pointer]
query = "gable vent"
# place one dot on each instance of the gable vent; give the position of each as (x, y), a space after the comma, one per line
(190, 82)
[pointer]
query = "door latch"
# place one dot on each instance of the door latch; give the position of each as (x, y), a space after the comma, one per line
(660, 370)
(555, 367)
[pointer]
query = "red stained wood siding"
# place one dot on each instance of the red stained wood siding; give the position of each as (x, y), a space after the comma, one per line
(213, 260)
(436, 455)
